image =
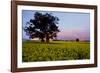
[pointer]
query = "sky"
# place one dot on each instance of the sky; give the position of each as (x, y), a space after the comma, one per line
(72, 25)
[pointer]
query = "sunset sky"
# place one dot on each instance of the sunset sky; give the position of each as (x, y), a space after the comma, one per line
(72, 25)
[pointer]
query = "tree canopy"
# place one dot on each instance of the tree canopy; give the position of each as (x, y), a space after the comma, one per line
(43, 26)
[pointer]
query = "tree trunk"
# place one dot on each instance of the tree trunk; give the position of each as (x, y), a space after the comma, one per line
(42, 40)
(47, 38)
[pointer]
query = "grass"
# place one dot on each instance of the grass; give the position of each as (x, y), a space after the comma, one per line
(54, 51)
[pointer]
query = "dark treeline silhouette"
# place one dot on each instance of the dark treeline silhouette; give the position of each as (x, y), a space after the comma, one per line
(43, 26)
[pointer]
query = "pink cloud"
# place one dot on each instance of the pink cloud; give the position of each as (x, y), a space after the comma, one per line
(73, 34)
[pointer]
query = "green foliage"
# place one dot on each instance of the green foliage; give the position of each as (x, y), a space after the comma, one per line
(54, 51)
(44, 25)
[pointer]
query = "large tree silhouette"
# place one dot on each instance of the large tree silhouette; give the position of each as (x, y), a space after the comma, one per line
(43, 26)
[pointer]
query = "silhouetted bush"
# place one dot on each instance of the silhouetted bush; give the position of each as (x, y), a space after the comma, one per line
(77, 40)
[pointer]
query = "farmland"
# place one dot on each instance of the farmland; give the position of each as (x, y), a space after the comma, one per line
(33, 51)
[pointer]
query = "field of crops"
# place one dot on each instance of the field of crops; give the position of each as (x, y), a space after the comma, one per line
(54, 51)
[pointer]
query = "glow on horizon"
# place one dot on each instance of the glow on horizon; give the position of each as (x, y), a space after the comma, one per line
(71, 25)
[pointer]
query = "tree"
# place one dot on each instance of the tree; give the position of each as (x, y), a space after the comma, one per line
(77, 39)
(43, 26)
